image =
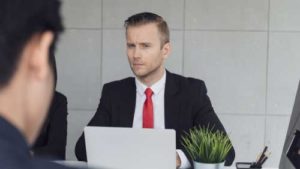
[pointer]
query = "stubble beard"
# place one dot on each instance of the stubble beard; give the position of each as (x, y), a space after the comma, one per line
(148, 75)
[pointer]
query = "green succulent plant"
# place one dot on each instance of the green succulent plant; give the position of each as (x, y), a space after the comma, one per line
(205, 145)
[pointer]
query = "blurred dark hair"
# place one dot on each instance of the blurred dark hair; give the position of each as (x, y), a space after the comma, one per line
(19, 21)
(146, 18)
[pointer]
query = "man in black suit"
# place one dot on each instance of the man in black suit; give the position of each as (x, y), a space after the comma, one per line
(28, 29)
(170, 101)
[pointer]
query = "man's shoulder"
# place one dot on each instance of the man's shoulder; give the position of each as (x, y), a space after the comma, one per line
(59, 96)
(186, 81)
(119, 84)
(59, 99)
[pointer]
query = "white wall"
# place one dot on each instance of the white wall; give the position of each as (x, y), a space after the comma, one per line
(247, 52)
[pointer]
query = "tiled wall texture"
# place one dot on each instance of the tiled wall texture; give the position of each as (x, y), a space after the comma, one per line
(247, 52)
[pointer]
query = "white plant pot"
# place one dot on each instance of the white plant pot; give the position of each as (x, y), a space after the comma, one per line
(199, 165)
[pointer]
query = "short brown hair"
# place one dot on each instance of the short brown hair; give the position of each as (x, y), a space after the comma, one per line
(146, 18)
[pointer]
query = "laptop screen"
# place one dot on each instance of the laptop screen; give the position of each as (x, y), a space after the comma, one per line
(129, 148)
(287, 162)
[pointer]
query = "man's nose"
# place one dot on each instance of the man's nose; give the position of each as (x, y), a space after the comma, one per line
(136, 53)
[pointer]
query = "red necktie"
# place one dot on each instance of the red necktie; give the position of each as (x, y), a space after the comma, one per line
(148, 110)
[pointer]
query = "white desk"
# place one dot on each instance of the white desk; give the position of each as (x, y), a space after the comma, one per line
(81, 164)
(235, 168)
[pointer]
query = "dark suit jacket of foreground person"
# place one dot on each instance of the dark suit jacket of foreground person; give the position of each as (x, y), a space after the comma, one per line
(52, 140)
(186, 105)
(15, 151)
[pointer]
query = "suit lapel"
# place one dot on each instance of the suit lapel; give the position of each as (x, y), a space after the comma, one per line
(172, 105)
(127, 102)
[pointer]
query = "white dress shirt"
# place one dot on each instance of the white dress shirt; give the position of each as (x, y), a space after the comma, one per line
(158, 99)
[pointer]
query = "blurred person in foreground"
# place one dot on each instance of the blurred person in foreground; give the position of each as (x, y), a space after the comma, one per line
(28, 31)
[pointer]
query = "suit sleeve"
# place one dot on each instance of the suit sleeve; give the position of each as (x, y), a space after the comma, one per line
(205, 115)
(102, 117)
(57, 130)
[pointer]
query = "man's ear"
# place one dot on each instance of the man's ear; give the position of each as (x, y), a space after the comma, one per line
(166, 50)
(39, 60)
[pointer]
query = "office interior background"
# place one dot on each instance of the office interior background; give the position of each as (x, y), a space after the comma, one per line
(247, 52)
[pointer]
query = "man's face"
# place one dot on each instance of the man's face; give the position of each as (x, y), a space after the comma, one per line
(144, 50)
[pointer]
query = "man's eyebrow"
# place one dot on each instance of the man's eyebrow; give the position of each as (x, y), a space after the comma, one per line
(130, 43)
(145, 43)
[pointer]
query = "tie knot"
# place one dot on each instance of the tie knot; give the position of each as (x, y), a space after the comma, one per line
(148, 92)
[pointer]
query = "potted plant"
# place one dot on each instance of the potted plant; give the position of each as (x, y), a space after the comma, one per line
(207, 148)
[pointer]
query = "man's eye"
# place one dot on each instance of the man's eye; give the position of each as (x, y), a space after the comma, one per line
(145, 45)
(130, 45)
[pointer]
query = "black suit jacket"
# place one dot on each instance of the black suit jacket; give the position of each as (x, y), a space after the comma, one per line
(186, 105)
(52, 140)
(14, 151)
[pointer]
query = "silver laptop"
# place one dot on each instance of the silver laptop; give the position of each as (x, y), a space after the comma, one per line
(294, 125)
(129, 148)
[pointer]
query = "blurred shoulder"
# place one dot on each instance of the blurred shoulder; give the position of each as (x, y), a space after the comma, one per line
(59, 97)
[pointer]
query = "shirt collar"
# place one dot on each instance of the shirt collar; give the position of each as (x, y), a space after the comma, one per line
(156, 87)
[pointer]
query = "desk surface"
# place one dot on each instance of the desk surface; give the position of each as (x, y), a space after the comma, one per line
(235, 168)
(81, 164)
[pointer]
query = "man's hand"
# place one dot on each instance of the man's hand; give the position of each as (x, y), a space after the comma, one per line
(178, 161)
